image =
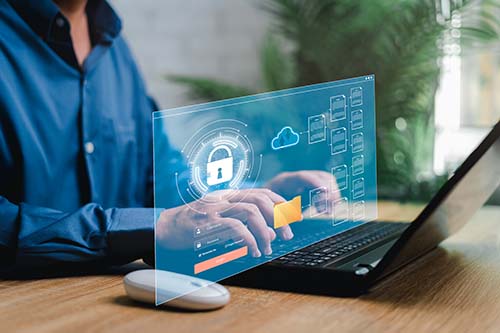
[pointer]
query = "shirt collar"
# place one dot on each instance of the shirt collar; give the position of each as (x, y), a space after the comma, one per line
(39, 14)
(104, 23)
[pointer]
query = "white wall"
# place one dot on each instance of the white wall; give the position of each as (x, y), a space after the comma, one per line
(215, 38)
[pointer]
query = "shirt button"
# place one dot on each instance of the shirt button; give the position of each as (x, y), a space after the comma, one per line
(89, 147)
(60, 22)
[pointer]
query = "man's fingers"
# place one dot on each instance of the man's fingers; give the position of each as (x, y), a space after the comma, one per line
(312, 179)
(255, 221)
(238, 229)
(265, 200)
(272, 233)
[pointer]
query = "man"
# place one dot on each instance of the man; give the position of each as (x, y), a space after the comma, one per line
(76, 150)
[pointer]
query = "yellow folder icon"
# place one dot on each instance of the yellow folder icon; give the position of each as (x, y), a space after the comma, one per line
(287, 212)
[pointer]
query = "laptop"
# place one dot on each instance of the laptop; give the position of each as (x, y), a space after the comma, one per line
(350, 263)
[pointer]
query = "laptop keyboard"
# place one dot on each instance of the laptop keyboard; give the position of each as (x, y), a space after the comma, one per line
(342, 245)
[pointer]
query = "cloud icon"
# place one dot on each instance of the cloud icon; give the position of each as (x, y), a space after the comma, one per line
(286, 138)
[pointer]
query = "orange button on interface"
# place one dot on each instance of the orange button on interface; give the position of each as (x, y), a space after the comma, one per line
(219, 260)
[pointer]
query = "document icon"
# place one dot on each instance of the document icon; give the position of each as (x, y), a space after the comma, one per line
(358, 188)
(317, 129)
(356, 96)
(340, 174)
(356, 119)
(358, 165)
(357, 142)
(340, 211)
(337, 108)
(338, 140)
(318, 199)
(287, 212)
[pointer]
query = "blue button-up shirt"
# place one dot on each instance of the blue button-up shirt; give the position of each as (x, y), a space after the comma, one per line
(75, 142)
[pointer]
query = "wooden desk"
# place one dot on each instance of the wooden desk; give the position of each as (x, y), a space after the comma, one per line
(456, 288)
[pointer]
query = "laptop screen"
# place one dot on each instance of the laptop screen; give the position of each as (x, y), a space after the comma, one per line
(456, 202)
(243, 181)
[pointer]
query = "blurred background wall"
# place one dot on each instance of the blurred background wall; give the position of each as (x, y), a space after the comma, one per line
(213, 38)
(437, 67)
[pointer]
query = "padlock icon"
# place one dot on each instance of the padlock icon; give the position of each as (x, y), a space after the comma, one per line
(219, 171)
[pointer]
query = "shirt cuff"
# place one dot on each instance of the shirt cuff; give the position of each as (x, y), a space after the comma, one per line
(131, 236)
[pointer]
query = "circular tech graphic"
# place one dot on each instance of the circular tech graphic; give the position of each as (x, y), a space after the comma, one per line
(220, 157)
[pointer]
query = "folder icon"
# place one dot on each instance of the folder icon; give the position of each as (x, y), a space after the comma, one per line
(287, 212)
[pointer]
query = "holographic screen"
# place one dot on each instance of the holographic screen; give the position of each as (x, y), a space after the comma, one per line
(244, 181)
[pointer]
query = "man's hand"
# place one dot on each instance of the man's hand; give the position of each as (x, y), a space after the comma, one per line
(245, 214)
(290, 184)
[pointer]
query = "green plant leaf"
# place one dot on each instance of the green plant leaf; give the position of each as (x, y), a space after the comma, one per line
(207, 89)
(400, 41)
(278, 70)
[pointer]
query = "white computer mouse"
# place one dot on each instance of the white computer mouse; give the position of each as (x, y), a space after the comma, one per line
(140, 286)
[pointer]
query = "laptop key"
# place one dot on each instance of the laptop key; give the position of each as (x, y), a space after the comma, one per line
(335, 247)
